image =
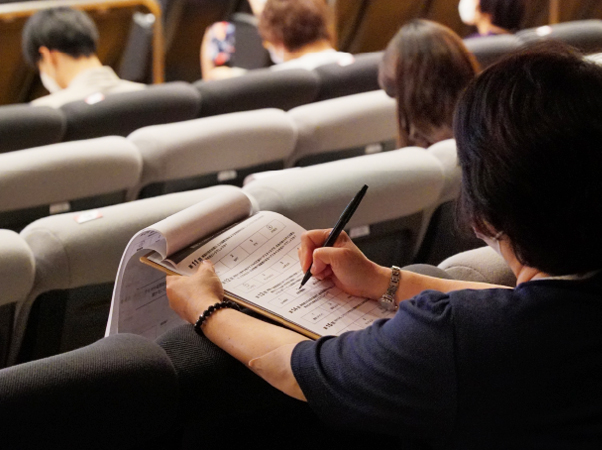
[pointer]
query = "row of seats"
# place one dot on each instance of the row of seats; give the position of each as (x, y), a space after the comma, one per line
(586, 35)
(187, 155)
(131, 388)
(120, 114)
(59, 271)
(173, 102)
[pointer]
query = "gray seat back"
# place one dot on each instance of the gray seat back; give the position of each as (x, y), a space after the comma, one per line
(404, 188)
(586, 35)
(489, 49)
(23, 126)
(446, 235)
(120, 114)
(344, 127)
(262, 88)
(207, 151)
(65, 177)
(250, 52)
(339, 80)
(482, 264)
(76, 258)
(17, 268)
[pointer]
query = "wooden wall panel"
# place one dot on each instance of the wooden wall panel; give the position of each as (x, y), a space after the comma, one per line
(368, 25)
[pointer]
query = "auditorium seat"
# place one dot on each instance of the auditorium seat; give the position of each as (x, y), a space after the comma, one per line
(120, 114)
(68, 176)
(586, 35)
(482, 265)
(119, 393)
(405, 186)
(446, 236)
(23, 126)
(17, 271)
(202, 152)
(262, 88)
(250, 52)
(76, 261)
(488, 49)
(344, 127)
(360, 74)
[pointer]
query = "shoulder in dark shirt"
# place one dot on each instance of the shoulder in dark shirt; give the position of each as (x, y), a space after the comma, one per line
(496, 368)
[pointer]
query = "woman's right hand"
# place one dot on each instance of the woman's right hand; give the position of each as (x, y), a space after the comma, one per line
(344, 264)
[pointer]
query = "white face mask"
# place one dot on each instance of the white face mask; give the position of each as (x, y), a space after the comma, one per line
(49, 83)
(276, 56)
(493, 242)
(468, 11)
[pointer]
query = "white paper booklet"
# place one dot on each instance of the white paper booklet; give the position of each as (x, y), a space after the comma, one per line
(256, 258)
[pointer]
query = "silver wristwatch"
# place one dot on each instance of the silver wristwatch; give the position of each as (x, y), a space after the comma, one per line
(387, 301)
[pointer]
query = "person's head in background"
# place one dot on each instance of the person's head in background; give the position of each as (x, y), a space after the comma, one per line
(426, 68)
(492, 16)
(60, 43)
(528, 135)
(292, 28)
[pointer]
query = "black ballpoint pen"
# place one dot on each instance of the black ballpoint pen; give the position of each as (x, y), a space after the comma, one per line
(336, 231)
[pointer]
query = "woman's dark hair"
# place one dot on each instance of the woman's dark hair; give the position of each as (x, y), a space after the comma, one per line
(425, 68)
(63, 29)
(295, 23)
(529, 137)
(507, 14)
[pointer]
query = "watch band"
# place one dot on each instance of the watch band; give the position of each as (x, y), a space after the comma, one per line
(387, 301)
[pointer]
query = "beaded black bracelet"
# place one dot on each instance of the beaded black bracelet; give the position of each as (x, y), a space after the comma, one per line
(217, 306)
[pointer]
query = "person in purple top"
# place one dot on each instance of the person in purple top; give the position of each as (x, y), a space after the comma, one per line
(491, 17)
(461, 365)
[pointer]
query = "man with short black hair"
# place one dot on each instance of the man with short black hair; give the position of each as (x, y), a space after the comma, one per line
(61, 44)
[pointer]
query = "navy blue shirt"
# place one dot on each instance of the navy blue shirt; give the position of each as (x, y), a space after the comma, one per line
(497, 368)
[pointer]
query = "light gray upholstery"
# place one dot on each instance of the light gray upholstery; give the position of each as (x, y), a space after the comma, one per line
(67, 171)
(445, 152)
(482, 264)
(343, 123)
(401, 183)
(212, 144)
(16, 268)
(489, 49)
(585, 35)
(70, 255)
(445, 237)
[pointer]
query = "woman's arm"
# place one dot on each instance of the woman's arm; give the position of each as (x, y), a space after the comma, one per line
(351, 271)
(264, 348)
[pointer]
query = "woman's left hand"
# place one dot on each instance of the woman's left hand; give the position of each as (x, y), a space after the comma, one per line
(190, 296)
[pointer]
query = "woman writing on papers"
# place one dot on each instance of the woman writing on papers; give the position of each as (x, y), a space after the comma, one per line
(467, 365)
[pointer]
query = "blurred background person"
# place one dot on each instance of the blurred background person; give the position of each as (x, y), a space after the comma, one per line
(295, 32)
(61, 43)
(492, 17)
(219, 46)
(426, 67)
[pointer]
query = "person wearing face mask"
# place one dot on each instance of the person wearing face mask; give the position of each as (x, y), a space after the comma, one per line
(61, 44)
(295, 32)
(491, 17)
(460, 365)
